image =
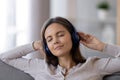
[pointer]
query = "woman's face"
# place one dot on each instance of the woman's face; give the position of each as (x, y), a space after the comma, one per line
(58, 39)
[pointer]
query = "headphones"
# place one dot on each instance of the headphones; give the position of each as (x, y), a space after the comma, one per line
(75, 40)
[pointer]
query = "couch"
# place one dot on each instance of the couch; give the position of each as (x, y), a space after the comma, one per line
(114, 76)
(8, 72)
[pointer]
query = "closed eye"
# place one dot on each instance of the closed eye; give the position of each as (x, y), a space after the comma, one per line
(60, 34)
(49, 39)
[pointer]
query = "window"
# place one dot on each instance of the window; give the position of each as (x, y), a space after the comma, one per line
(7, 24)
(13, 28)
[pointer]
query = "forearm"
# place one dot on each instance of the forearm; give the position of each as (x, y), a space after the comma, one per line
(18, 52)
(112, 50)
(113, 64)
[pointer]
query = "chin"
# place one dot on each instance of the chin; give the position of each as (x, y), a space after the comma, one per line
(61, 54)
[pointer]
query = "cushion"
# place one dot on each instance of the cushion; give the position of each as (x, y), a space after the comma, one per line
(114, 76)
(8, 72)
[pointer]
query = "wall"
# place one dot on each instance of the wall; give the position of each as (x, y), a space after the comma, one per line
(39, 14)
(88, 22)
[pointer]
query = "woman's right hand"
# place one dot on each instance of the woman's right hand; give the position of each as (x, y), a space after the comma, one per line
(37, 45)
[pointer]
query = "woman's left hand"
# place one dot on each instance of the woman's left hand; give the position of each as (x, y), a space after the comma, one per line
(91, 41)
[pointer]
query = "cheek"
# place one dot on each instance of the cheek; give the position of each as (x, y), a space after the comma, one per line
(50, 46)
(67, 42)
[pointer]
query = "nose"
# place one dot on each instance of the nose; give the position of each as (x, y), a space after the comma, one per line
(55, 40)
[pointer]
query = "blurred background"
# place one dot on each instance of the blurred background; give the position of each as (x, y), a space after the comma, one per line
(21, 20)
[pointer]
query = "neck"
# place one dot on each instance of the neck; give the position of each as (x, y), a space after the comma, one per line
(66, 62)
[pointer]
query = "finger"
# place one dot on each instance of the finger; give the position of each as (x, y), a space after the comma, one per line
(82, 35)
(84, 43)
(85, 37)
(88, 38)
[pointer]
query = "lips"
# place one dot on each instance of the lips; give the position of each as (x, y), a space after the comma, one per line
(58, 47)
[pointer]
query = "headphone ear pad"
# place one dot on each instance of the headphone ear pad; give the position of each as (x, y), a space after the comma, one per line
(76, 39)
(48, 51)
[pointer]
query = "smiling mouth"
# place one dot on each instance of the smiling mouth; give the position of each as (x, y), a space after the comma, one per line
(58, 47)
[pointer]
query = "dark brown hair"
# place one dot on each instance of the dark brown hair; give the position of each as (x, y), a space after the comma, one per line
(75, 51)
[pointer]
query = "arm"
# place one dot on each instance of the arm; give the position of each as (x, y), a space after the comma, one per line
(106, 65)
(18, 52)
(14, 57)
(111, 64)
(93, 43)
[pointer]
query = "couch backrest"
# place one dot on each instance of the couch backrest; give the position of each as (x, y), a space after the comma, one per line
(114, 76)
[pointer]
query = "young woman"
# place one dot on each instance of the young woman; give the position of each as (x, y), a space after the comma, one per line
(63, 60)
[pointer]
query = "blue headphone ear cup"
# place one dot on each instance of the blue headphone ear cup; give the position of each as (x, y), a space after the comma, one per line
(76, 39)
(48, 51)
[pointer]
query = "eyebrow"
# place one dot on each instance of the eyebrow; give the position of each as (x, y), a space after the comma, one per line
(56, 33)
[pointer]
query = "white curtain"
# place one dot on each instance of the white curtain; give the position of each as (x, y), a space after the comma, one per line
(21, 21)
(3, 24)
(13, 23)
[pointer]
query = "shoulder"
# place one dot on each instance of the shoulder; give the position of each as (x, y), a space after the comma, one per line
(97, 62)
